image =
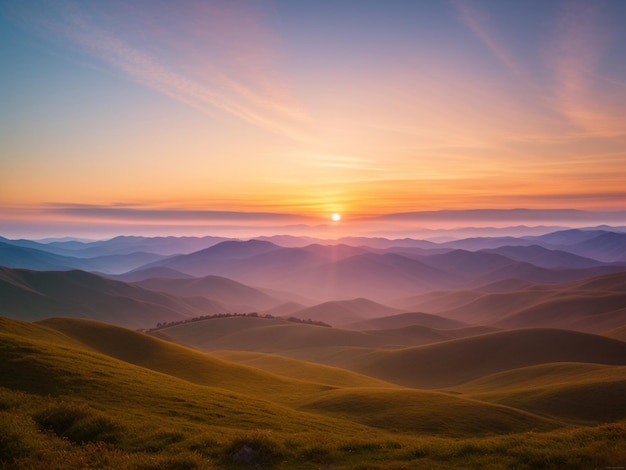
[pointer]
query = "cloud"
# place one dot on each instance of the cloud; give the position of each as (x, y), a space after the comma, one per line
(122, 212)
(478, 22)
(593, 103)
(217, 57)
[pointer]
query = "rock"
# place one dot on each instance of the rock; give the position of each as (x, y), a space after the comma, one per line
(244, 455)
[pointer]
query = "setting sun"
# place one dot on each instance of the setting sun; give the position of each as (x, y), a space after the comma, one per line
(336, 217)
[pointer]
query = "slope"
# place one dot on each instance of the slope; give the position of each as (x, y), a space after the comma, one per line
(454, 362)
(216, 288)
(341, 312)
(34, 295)
(284, 337)
(573, 391)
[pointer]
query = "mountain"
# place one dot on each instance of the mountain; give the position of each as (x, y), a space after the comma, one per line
(481, 243)
(141, 274)
(544, 258)
(608, 247)
(216, 258)
(35, 295)
(468, 264)
(216, 288)
(130, 244)
(14, 256)
(376, 276)
(566, 237)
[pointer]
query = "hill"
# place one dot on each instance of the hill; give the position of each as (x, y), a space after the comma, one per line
(35, 295)
(73, 396)
(239, 333)
(454, 362)
(594, 304)
(402, 320)
(341, 312)
(216, 288)
(558, 390)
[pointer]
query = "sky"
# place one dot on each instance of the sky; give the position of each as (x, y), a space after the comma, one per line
(202, 116)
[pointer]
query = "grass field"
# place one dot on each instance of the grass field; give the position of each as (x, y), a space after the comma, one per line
(80, 394)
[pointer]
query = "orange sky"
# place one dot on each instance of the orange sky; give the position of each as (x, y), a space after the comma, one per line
(308, 109)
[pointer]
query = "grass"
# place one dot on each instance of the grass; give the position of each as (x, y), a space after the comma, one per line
(66, 402)
(578, 392)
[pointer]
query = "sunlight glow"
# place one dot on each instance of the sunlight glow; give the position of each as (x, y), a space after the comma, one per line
(336, 217)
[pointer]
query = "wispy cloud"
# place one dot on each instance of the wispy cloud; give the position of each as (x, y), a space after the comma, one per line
(592, 103)
(217, 57)
(479, 23)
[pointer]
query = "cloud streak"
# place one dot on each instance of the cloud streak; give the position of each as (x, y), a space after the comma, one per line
(581, 95)
(478, 23)
(216, 57)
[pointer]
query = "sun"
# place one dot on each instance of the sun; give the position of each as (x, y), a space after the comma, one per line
(336, 217)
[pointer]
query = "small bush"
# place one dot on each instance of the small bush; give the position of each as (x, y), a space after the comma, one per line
(316, 454)
(78, 423)
(266, 448)
(16, 437)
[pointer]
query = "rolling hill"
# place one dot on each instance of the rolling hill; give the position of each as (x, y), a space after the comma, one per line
(402, 320)
(35, 295)
(559, 390)
(79, 394)
(450, 363)
(216, 288)
(341, 312)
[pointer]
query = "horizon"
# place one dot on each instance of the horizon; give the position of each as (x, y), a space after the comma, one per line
(242, 116)
(419, 225)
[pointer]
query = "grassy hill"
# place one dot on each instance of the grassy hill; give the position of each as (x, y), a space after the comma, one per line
(80, 394)
(401, 320)
(559, 390)
(281, 336)
(450, 363)
(341, 312)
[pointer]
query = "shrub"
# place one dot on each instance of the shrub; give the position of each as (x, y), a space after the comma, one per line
(17, 437)
(78, 423)
(265, 447)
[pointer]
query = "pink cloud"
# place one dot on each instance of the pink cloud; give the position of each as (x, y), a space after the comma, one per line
(478, 22)
(217, 57)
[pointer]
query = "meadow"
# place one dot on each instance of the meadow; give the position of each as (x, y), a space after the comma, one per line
(83, 394)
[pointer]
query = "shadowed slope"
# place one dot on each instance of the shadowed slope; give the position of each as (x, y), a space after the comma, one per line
(425, 412)
(178, 361)
(36, 364)
(34, 295)
(301, 370)
(574, 391)
(216, 288)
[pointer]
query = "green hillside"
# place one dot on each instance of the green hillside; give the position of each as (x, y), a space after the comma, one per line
(81, 394)
(578, 392)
